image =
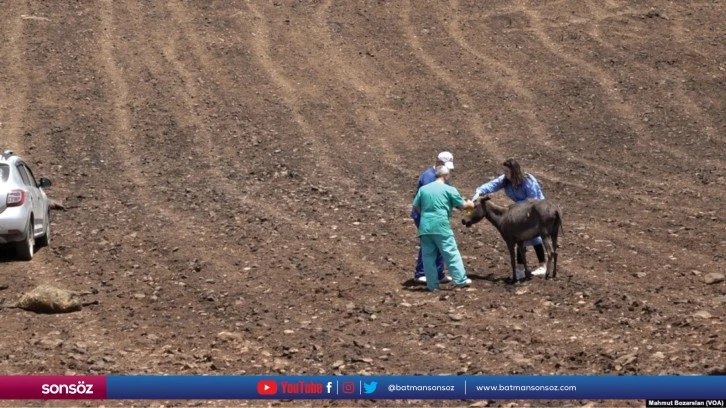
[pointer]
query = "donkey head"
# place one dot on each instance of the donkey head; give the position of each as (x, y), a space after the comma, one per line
(476, 214)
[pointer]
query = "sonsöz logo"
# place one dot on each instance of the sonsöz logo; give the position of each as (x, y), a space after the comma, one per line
(67, 389)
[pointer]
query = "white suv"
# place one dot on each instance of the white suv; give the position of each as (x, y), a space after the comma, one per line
(24, 207)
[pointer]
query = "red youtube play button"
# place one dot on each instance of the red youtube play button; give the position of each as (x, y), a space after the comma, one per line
(267, 387)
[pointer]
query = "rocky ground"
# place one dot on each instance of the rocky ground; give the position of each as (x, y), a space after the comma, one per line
(237, 178)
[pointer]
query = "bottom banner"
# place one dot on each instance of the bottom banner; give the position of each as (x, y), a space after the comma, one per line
(709, 391)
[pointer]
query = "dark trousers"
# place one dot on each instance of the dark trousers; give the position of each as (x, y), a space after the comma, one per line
(419, 262)
(539, 249)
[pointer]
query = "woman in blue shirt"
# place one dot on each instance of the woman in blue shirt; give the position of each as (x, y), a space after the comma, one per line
(519, 187)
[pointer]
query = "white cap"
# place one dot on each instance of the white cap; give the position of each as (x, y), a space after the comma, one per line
(448, 159)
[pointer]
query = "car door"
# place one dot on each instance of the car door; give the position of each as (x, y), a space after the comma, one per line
(41, 203)
(32, 188)
(4, 176)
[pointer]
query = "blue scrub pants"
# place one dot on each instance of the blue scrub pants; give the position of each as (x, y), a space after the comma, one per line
(433, 244)
(419, 262)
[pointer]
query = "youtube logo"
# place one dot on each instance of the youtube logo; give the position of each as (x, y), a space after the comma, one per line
(267, 387)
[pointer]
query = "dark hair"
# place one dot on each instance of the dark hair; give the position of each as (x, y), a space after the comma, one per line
(516, 177)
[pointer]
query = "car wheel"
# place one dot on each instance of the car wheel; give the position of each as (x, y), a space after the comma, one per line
(26, 248)
(44, 241)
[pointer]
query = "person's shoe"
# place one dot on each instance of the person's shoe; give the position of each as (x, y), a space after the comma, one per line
(540, 271)
(466, 283)
(446, 279)
(421, 279)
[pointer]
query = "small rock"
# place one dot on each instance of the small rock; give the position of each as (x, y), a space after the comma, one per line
(721, 300)
(406, 304)
(288, 331)
(714, 277)
(480, 404)
(363, 360)
(626, 359)
(659, 355)
(702, 314)
(57, 205)
(717, 370)
(139, 296)
(456, 317)
(338, 363)
(152, 337)
(51, 343)
(228, 336)
(641, 274)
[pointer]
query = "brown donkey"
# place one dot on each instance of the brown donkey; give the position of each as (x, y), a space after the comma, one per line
(519, 223)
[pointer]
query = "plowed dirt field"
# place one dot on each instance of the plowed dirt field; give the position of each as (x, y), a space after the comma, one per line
(237, 177)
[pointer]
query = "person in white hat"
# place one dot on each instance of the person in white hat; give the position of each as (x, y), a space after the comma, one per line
(445, 159)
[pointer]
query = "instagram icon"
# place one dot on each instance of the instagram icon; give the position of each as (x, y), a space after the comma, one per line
(348, 387)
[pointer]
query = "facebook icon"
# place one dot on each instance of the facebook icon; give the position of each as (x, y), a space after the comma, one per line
(329, 386)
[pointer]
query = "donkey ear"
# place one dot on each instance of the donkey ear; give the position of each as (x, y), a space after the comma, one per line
(484, 198)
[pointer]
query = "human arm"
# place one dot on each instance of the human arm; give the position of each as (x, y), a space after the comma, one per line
(489, 187)
(457, 201)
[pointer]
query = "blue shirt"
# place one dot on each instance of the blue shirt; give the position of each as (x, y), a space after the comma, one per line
(530, 189)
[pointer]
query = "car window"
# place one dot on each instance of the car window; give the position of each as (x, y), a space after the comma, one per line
(24, 175)
(33, 181)
(4, 172)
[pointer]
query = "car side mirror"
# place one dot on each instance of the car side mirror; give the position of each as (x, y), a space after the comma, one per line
(44, 183)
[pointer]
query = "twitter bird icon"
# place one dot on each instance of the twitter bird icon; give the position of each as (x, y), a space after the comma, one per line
(369, 388)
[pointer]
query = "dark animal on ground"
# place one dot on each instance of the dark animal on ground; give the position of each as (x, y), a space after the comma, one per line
(519, 223)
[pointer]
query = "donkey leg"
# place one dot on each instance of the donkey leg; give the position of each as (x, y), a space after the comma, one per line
(523, 251)
(554, 266)
(554, 255)
(512, 259)
(550, 256)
